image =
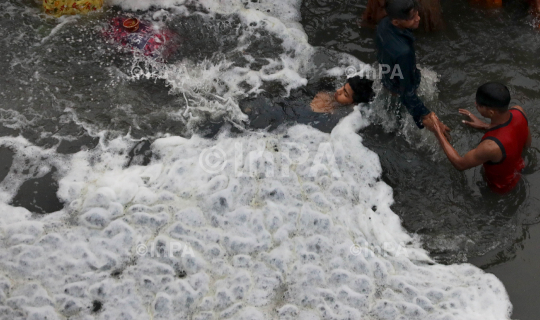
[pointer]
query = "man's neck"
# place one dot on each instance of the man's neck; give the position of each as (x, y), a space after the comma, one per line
(500, 118)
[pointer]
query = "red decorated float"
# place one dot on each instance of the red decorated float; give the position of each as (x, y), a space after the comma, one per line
(142, 37)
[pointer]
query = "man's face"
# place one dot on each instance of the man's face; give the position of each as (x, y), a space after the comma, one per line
(412, 23)
(344, 95)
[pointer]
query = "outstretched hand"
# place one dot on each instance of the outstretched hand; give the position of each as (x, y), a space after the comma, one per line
(474, 122)
(433, 124)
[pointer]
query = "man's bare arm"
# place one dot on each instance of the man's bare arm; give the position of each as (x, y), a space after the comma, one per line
(429, 121)
(486, 151)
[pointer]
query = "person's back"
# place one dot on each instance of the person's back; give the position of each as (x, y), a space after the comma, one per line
(511, 137)
(395, 47)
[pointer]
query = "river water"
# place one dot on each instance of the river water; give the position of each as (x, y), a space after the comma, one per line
(456, 217)
(107, 153)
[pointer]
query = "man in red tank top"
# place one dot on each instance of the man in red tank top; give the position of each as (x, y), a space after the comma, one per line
(501, 147)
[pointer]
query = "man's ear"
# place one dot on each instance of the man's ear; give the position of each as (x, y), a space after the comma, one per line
(395, 22)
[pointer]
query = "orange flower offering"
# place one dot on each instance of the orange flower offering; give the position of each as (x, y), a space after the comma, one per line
(65, 7)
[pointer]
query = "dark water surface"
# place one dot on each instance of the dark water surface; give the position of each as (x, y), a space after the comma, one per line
(55, 91)
(457, 217)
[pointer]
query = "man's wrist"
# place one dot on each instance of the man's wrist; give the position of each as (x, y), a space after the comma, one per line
(426, 115)
(425, 118)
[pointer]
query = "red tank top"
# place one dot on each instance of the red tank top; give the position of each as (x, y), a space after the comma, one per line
(511, 137)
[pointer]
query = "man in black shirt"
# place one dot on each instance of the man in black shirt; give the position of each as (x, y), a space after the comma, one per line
(396, 54)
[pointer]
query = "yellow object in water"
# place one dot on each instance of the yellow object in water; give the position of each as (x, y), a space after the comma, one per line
(62, 7)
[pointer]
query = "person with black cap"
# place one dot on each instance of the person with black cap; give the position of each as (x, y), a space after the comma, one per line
(507, 135)
(396, 52)
(430, 12)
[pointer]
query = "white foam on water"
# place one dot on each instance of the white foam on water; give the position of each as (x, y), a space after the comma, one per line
(13, 119)
(293, 224)
(286, 11)
(215, 88)
(387, 111)
(29, 162)
(63, 20)
(266, 222)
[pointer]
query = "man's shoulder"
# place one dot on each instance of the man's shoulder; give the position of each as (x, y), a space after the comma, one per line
(490, 150)
(518, 108)
(521, 113)
(383, 25)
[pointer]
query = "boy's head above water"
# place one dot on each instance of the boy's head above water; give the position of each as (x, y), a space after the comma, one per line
(492, 97)
(403, 13)
(356, 90)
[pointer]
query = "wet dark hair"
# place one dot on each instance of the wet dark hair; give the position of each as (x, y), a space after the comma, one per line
(400, 9)
(362, 87)
(493, 95)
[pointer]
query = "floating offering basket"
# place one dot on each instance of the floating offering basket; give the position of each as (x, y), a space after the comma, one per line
(131, 24)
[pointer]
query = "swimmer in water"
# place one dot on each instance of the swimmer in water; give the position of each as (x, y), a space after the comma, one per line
(356, 90)
(507, 135)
